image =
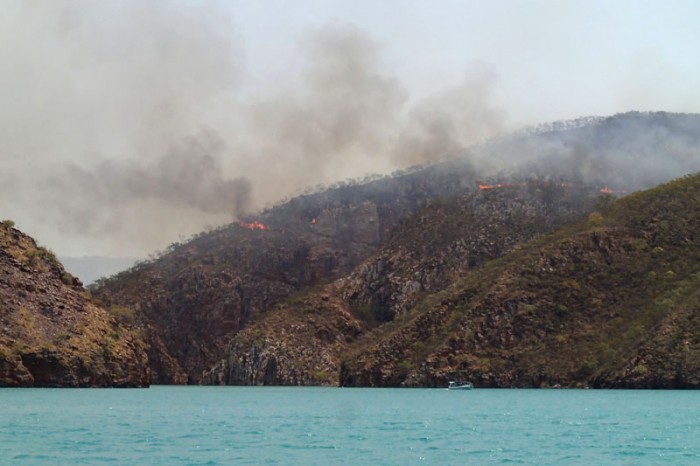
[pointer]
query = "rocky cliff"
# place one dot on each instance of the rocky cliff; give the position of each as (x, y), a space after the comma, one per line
(51, 334)
(299, 343)
(454, 235)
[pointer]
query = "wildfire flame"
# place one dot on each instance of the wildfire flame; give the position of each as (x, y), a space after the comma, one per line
(255, 225)
(607, 190)
(313, 221)
(500, 185)
(483, 187)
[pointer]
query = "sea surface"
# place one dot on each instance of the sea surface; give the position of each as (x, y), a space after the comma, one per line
(279, 425)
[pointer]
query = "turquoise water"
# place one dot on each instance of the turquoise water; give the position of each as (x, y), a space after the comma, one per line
(276, 425)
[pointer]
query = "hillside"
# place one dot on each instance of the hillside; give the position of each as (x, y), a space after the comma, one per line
(302, 340)
(51, 335)
(607, 302)
(280, 296)
(194, 298)
(610, 303)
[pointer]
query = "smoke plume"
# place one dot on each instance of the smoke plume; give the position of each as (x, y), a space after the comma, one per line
(125, 125)
(188, 176)
(125, 116)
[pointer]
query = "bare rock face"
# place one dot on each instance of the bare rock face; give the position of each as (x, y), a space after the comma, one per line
(51, 334)
(300, 344)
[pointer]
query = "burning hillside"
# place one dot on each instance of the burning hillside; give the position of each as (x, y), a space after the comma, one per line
(254, 225)
(484, 187)
(429, 224)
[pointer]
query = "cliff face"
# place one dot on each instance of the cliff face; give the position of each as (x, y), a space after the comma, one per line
(51, 335)
(300, 343)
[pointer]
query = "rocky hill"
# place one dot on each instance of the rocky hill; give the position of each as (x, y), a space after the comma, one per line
(198, 295)
(51, 334)
(283, 297)
(302, 341)
(612, 302)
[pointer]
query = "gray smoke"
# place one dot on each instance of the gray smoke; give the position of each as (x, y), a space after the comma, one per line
(121, 116)
(126, 124)
(627, 152)
(446, 124)
(188, 175)
(101, 125)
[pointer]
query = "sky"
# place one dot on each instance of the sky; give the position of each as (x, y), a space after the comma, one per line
(126, 125)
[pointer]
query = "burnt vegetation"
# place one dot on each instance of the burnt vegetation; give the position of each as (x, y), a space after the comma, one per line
(405, 279)
(545, 271)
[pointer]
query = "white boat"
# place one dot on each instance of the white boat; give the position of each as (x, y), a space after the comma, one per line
(460, 386)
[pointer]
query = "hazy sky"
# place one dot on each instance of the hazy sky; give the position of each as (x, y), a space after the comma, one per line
(126, 124)
(551, 59)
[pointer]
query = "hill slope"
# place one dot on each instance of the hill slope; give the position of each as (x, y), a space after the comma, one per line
(50, 334)
(610, 303)
(197, 297)
(302, 340)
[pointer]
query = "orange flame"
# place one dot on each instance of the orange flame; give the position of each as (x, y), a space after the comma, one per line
(255, 225)
(607, 190)
(500, 185)
(313, 221)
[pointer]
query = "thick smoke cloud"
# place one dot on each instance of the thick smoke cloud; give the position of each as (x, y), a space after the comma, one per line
(125, 125)
(446, 124)
(125, 116)
(188, 175)
(100, 100)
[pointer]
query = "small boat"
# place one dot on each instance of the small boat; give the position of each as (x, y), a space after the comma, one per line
(460, 386)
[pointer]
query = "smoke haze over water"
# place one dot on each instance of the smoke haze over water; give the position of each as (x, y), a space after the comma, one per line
(127, 124)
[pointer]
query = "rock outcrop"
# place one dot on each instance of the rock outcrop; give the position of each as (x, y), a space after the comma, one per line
(51, 334)
(448, 238)
(301, 343)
